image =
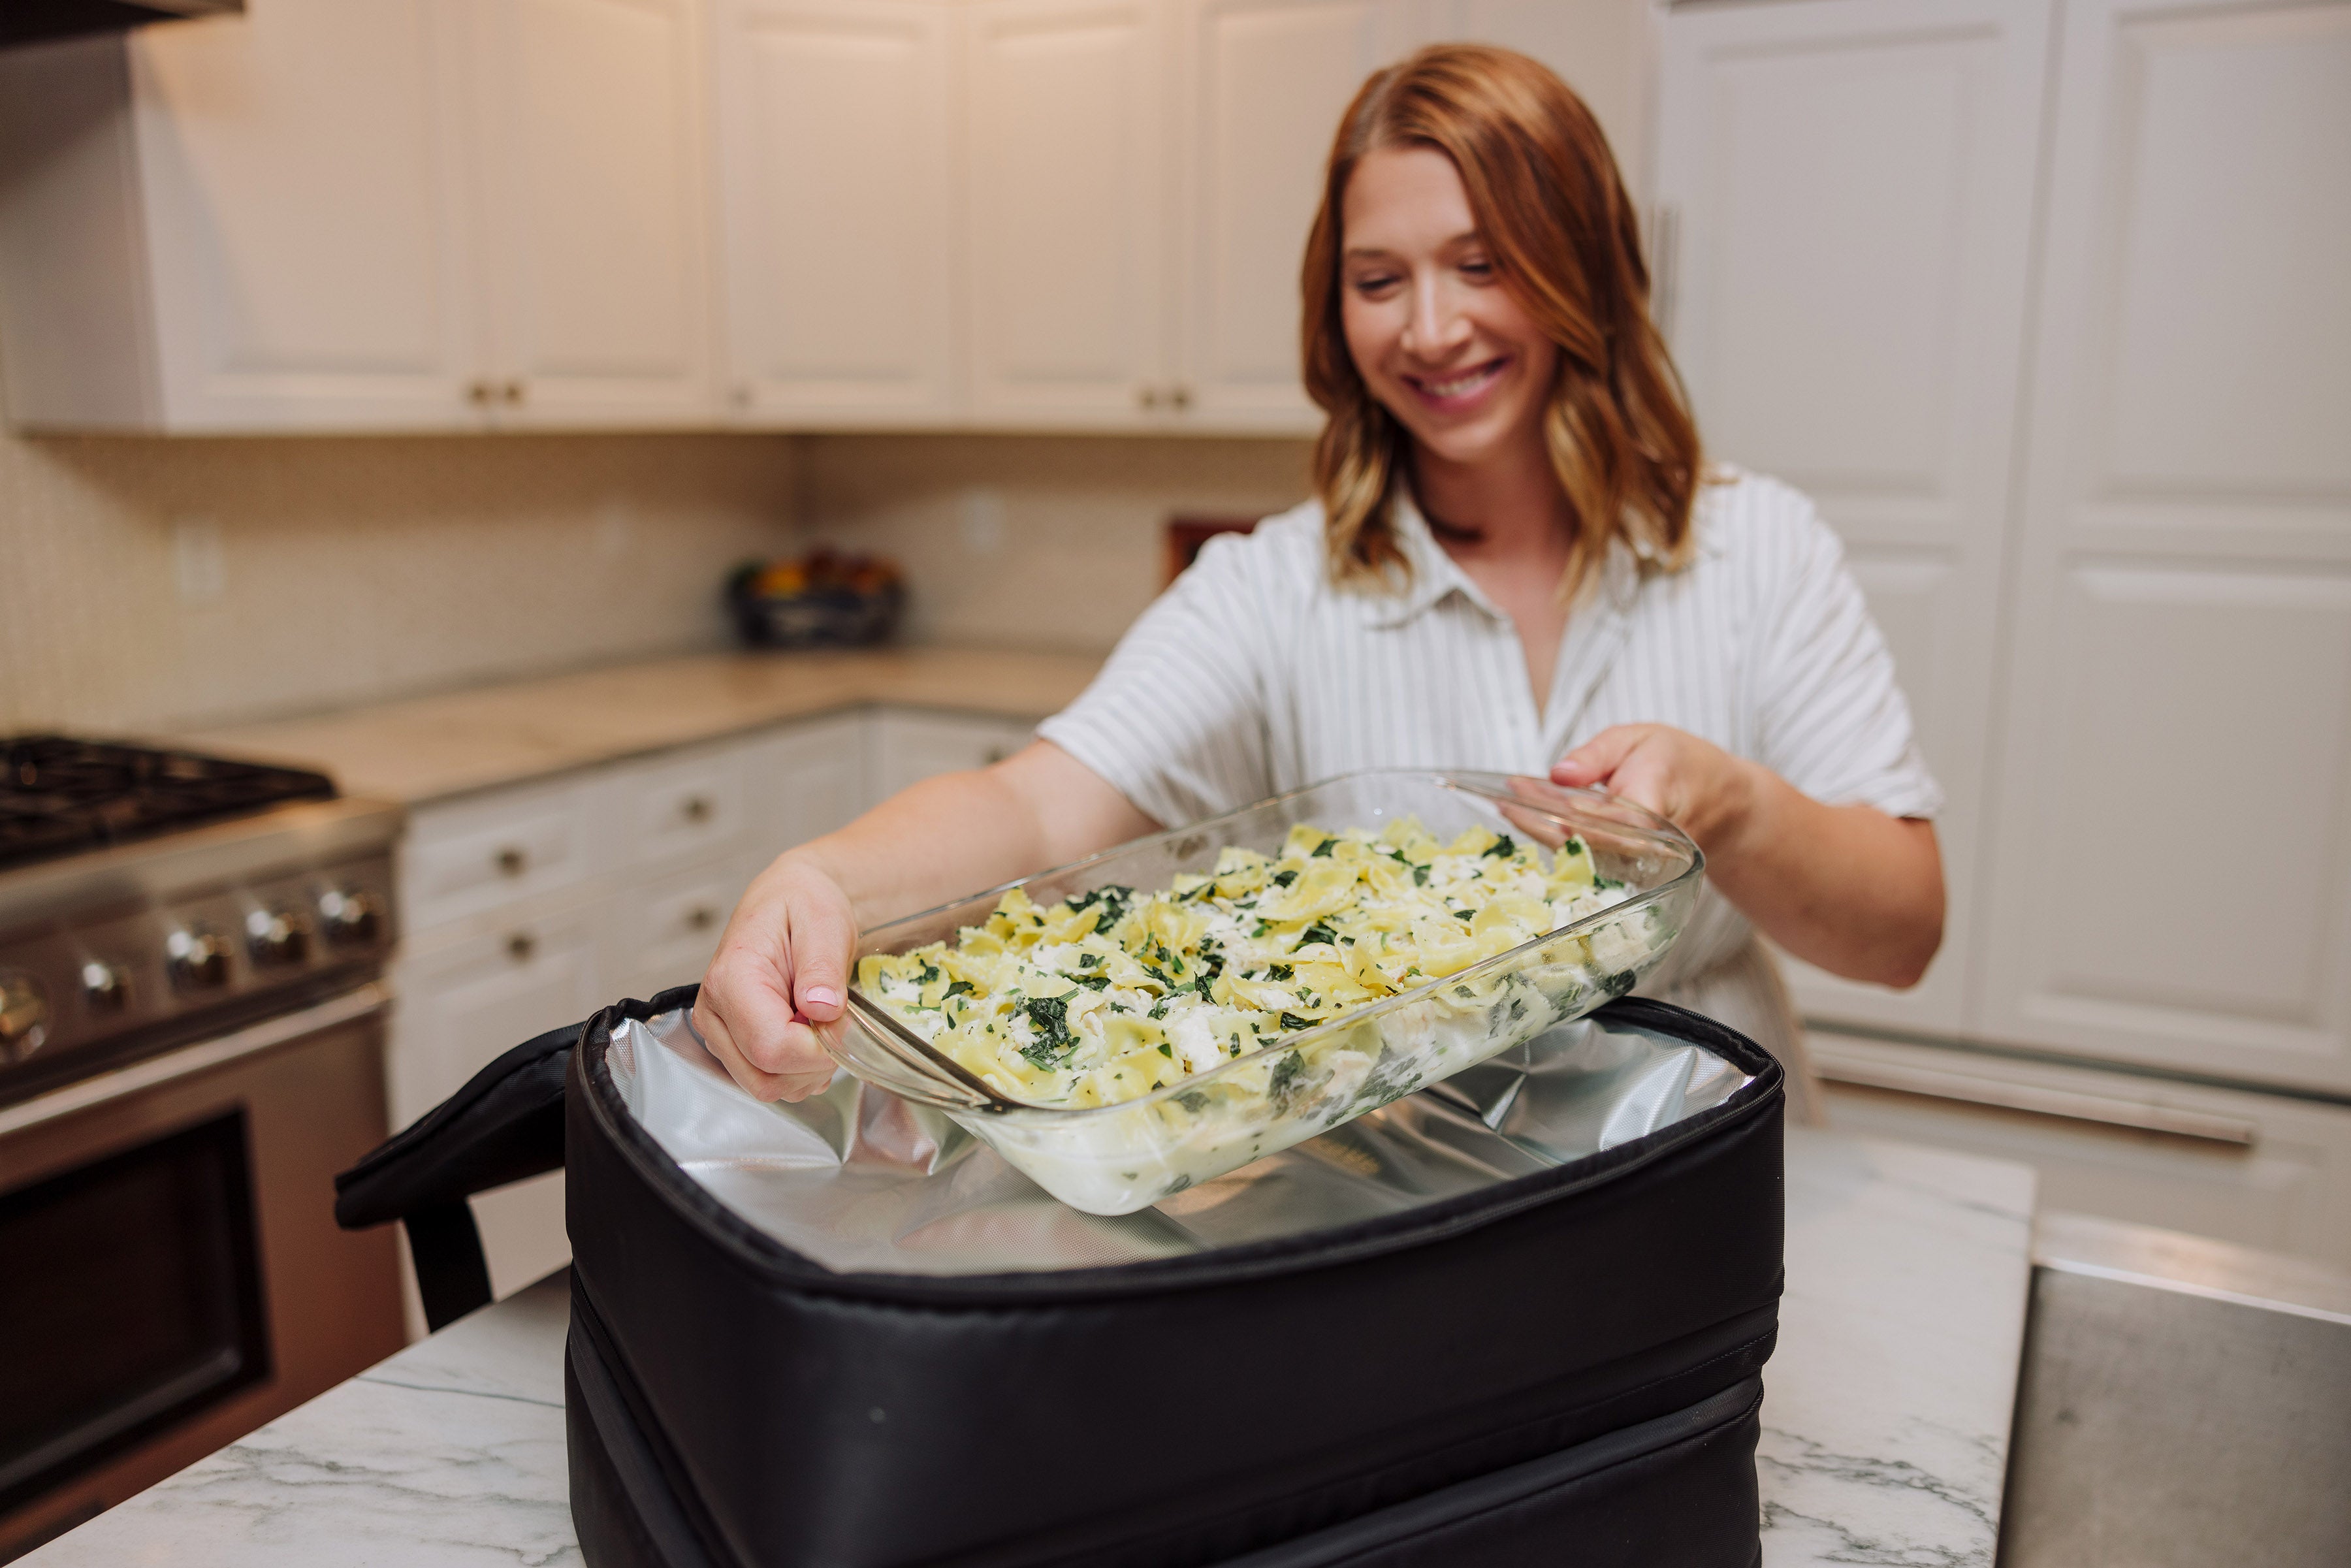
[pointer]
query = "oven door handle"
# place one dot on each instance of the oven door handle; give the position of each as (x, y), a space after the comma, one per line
(348, 1006)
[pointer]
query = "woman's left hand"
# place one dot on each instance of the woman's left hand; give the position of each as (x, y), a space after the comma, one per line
(1848, 888)
(1694, 784)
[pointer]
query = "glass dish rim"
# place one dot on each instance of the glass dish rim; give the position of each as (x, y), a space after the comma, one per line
(895, 1036)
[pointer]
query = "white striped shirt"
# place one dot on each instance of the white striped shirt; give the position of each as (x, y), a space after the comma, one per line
(1255, 674)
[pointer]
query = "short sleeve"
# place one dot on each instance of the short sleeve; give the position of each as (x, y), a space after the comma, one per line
(1176, 721)
(1831, 719)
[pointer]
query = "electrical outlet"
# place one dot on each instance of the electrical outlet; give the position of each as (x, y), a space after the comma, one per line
(982, 521)
(198, 559)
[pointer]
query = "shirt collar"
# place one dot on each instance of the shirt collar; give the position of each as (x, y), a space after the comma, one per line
(1435, 575)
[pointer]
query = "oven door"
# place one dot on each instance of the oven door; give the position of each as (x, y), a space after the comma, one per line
(173, 1276)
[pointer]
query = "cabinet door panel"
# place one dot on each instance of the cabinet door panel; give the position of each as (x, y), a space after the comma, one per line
(804, 782)
(594, 147)
(1263, 85)
(1066, 206)
(1848, 186)
(833, 125)
(460, 1006)
(310, 246)
(2184, 602)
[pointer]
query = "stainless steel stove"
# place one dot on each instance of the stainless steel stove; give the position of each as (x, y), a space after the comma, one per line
(191, 1045)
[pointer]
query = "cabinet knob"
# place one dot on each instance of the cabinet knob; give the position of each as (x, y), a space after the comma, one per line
(701, 917)
(479, 393)
(1179, 396)
(696, 808)
(520, 947)
(512, 392)
(512, 862)
(740, 397)
(1147, 397)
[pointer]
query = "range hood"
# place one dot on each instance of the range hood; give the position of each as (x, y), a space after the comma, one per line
(30, 21)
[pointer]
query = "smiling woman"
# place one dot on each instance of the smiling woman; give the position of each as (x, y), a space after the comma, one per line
(1515, 561)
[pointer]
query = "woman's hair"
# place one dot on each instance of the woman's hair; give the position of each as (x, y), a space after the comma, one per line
(1563, 237)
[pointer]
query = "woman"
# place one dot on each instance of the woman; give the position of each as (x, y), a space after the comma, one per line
(1514, 561)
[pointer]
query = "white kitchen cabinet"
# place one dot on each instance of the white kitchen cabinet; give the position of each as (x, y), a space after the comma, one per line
(2171, 872)
(662, 931)
(376, 214)
(837, 177)
(1261, 85)
(461, 1004)
(1844, 192)
(1066, 211)
(803, 781)
(908, 746)
(593, 154)
(255, 222)
(1605, 49)
(456, 1009)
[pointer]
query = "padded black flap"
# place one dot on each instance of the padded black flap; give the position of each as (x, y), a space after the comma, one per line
(506, 1124)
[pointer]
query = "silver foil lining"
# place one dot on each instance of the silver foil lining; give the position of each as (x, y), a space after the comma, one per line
(858, 1179)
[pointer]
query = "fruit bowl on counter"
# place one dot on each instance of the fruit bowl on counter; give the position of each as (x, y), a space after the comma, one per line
(822, 600)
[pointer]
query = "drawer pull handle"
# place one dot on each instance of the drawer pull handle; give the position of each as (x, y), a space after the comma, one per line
(697, 809)
(520, 947)
(512, 862)
(2067, 1105)
(702, 918)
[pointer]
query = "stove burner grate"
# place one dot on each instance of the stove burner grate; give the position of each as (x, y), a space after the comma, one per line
(59, 795)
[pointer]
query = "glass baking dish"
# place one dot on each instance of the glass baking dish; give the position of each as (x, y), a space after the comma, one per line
(1116, 1158)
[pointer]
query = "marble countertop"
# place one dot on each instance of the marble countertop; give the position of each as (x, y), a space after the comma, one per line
(1886, 1412)
(425, 748)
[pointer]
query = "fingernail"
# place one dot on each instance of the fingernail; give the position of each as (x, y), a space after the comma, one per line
(821, 996)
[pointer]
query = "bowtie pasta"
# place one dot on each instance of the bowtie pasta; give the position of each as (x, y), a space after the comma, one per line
(1111, 995)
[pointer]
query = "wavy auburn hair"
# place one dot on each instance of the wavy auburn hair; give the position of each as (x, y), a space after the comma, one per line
(1564, 239)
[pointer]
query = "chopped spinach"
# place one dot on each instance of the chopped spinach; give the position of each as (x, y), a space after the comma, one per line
(957, 988)
(1280, 971)
(1285, 878)
(1318, 932)
(1323, 850)
(1194, 1101)
(1501, 848)
(1166, 1051)
(1420, 876)
(1292, 1020)
(1284, 1083)
(1050, 1016)
(1465, 914)
(1098, 982)
(930, 972)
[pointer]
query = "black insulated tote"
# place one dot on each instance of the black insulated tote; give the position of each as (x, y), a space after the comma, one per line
(1562, 1368)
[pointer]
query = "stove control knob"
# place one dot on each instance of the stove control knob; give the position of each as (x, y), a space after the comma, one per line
(277, 937)
(352, 917)
(24, 1015)
(197, 959)
(105, 988)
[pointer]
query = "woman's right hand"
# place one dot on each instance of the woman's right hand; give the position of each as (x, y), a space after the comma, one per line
(781, 970)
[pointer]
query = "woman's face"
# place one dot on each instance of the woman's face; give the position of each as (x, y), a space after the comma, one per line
(1436, 337)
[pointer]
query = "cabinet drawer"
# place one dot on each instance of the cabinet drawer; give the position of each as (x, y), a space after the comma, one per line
(803, 783)
(909, 747)
(681, 810)
(663, 932)
(463, 859)
(458, 1008)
